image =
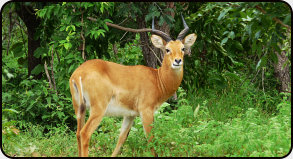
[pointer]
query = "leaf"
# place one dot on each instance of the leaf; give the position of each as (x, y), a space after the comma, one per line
(161, 21)
(148, 17)
(71, 68)
(262, 62)
(224, 41)
(258, 64)
(231, 35)
(40, 51)
(62, 28)
(253, 46)
(45, 91)
(31, 105)
(196, 111)
(49, 100)
(222, 14)
(257, 34)
(238, 45)
(38, 69)
(102, 7)
(42, 12)
(17, 49)
(67, 45)
(274, 57)
(9, 110)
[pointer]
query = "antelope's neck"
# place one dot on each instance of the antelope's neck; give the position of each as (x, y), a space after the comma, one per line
(169, 80)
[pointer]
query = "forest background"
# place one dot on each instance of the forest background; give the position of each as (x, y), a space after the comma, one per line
(234, 100)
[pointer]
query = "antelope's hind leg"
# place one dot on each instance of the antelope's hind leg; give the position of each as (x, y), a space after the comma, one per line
(80, 115)
(96, 114)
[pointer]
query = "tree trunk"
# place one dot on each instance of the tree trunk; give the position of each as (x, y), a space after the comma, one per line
(27, 14)
(282, 72)
(165, 27)
(148, 49)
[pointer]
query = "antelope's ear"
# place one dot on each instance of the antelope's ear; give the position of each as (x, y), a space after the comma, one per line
(158, 42)
(189, 40)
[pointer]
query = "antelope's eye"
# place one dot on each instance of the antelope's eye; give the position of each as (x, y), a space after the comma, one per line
(167, 50)
(183, 49)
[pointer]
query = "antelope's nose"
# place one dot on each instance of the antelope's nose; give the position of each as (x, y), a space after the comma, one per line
(178, 61)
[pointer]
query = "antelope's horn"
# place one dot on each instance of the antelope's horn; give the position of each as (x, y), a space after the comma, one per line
(184, 31)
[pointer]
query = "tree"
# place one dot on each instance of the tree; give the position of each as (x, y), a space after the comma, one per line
(26, 12)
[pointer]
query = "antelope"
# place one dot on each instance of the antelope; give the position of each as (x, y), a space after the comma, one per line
(111, 89)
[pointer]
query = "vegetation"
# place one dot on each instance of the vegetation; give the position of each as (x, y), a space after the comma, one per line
(235, 98)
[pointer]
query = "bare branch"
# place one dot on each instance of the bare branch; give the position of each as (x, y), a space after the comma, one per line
(123, 21)
(82, 37)
(52, 70)
(123, 28)
(123, 35)
(9, 30)
(155, 54)
(129, 29)
(47, 73)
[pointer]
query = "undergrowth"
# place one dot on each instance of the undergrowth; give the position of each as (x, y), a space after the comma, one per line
(205, 125)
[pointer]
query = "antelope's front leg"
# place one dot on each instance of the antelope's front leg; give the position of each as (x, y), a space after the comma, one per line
(126, 126)
(147, 117)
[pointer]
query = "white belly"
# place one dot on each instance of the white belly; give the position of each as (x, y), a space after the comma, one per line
(114, 109)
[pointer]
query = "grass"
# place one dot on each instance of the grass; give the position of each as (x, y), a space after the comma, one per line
(227, 124)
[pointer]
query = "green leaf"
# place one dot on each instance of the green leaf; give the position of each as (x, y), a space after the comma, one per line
(49, 100)
(40, 51)
(262, 62)
(258, 64)
(222, 14)
(38, 69)
(71, 68)
(224, 41)
(10, 110)
(62, 28)
(17, 49)
(253, 46)
(67, 45)
(42, 12)
(257, 34)
(238, 45)
(102, 7)
(231, 35)
(274, 57)
(161, 21)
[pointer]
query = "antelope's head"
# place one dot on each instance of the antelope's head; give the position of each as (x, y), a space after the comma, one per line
(173, 49)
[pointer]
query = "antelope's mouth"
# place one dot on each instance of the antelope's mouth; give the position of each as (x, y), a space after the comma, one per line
(176, 65)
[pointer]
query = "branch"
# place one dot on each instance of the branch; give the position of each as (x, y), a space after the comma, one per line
(9, 30)
(82, 37)
(155, 54)
(48, 76)
(123, 28)
(21, 29)
(129, 29)
(123, 21)
(123, 35)
(52, 71)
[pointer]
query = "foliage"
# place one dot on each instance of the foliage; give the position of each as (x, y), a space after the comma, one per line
(183, 132)
(221, 110)
(232, 36)
(34, 102)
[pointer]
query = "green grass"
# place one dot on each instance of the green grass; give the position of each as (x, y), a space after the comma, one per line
(227, 124)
